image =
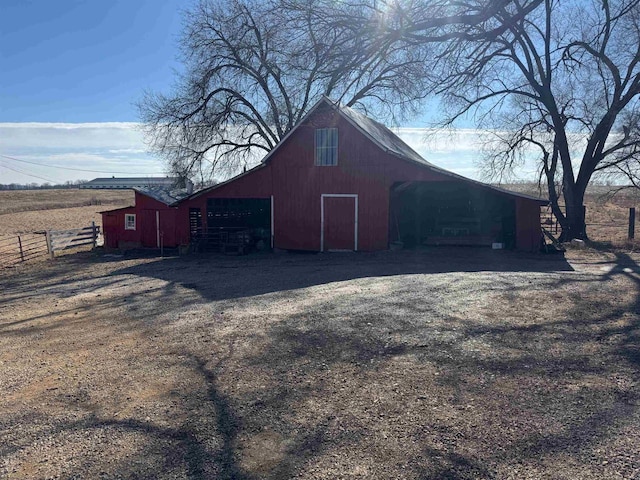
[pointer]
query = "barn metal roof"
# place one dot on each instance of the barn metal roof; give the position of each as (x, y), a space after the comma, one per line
(130, 182)
(381, 135)
(391, 143)
(168, 196)
(118, 209)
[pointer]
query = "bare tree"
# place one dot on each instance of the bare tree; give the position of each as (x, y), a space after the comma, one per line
(559, 78)
(252, 71)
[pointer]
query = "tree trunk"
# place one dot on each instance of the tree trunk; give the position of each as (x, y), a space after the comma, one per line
(574, 225)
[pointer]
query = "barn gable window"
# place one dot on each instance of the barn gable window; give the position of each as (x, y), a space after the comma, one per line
(130, 222)
(326, 146)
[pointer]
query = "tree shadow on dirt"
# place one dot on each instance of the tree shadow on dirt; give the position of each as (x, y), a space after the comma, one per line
(204, 446)
(399, 388)
(218, 277)
(543, 390)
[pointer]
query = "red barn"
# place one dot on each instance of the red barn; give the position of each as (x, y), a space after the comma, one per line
(342, 181)
(152, 222)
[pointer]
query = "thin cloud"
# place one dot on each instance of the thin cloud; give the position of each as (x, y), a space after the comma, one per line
(120, 147)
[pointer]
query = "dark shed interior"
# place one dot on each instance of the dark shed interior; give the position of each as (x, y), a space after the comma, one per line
(238, 213)
(450, 213)
(235, 224)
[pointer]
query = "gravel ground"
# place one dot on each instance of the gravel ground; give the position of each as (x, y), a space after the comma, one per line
(441, 363)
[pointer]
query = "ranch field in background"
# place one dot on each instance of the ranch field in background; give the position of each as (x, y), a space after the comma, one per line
(437, 363)
(26, 211)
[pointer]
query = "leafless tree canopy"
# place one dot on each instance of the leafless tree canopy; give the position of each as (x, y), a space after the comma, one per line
(254, 68)
(556, 77)
(559, 78)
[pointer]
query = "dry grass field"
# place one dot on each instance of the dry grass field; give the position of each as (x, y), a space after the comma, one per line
(608, 217)
(23, 212)
(607, 214)
(12, 201)
(434, 364)
(26, 211)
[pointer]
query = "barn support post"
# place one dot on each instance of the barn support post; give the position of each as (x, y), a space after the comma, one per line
(94, 236)
(47, 235)
(158, 228)
(21, 251)
(416, 215)
(632, 223)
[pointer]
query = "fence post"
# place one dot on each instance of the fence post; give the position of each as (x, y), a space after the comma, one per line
(95, 235)
(20, 246)
(47, 235)
(632, 223)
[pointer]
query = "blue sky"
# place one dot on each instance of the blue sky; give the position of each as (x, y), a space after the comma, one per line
(84, 60)
(71, 72)
(71, 66)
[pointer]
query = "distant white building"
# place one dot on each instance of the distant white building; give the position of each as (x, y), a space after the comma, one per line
(114, 183)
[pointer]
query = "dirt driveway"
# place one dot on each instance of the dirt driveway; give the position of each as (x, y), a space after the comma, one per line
(443, 364)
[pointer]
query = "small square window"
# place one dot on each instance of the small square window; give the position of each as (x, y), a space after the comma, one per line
(129, 222)
(326, 146)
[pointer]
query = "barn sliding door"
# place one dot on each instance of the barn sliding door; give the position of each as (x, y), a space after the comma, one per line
(339, 222)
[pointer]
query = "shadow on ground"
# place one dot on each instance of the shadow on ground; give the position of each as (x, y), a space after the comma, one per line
(217, 277)
(438, 377)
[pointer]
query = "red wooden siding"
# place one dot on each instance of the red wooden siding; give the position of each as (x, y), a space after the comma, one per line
(113, 229)
(254, 184)
(146, 232)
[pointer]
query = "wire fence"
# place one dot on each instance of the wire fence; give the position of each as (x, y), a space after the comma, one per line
(617, 227)
(22, 248)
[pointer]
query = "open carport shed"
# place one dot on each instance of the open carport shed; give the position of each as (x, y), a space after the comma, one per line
(462, 213)
(452, 213)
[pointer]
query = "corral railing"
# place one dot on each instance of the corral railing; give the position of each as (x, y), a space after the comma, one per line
(16, 249)
(22, 248)
(64, 239)
(229, 239)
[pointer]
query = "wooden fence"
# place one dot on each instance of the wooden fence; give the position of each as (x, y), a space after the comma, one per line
(25, 247)
(64, 239)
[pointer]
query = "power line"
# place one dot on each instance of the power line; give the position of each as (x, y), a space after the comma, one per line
(28, 174)
(76, 169)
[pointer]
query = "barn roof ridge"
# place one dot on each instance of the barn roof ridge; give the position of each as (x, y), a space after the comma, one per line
(117, 209)
(380, 134)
